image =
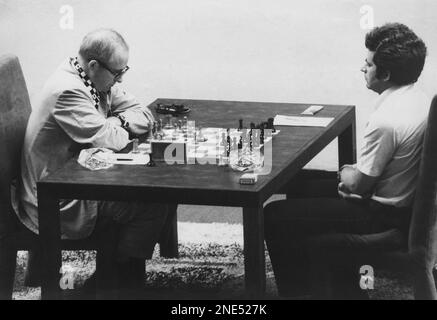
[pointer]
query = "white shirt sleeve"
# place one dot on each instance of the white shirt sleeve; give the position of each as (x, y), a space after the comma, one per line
(378, 148)
(76, 115)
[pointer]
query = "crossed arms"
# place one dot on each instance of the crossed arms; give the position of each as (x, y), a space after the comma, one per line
(354, 184)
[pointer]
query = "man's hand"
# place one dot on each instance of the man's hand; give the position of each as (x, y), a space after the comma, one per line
(346, 194)
(344, 167)
(115, 121)
(355, 181)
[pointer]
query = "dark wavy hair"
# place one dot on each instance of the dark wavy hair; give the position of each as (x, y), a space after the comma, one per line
(398, 50)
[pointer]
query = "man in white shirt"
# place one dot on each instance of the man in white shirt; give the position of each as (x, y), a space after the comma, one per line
(82, 105)
(376, 193)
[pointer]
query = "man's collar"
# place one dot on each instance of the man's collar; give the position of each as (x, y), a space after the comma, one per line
(383, 96)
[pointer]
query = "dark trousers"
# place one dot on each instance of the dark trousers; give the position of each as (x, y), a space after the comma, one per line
(138, 226)
(315, 243)
(129, 231)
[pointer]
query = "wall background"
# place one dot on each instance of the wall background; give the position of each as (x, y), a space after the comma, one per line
(281, 51)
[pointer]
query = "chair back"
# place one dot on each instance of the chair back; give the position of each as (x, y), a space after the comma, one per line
(14, 113)
(422, 240)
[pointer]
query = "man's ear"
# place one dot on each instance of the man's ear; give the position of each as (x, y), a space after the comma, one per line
(385, 76)
(92, 65)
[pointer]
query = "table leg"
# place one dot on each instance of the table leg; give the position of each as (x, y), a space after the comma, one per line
(254, 254)
(8, 257)
(168, 243)
(50, 237)
(347, 149)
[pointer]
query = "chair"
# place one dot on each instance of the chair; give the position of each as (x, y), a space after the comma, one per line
(14, 113)
(416, 255)
(419, 258)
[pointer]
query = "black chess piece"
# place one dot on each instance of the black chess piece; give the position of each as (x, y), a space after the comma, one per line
(252, 126)
(151, 163)
(271, 125)
(228, 147)
(261, 135)
(251, 133)
(240, 124)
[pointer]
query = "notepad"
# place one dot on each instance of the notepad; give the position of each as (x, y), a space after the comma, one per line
(282, 120)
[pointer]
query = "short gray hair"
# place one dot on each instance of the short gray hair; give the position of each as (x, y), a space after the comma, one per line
(101, 44)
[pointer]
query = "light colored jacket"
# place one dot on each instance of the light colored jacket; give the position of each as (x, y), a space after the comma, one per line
(63, 121)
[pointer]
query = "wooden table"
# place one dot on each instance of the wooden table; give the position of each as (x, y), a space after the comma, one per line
(198, 184)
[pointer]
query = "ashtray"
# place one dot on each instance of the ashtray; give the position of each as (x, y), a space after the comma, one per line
(173, 109)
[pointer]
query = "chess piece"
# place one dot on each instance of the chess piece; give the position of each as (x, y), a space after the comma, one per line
(175, 131)
(200, 137)
(261, 135)
(240, 125)
(251, 132)
(240, 149)
(245, 135)
(160, 132)
(270, 125)
(151, 163)
(224, 142)
(228, 144)
(185, 124)
(234, 143)
(169, 122)
(223, 157)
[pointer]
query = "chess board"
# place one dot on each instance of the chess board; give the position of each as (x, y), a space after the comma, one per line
(209, 145)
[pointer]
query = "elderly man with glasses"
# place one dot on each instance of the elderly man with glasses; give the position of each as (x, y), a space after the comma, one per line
(80, 106)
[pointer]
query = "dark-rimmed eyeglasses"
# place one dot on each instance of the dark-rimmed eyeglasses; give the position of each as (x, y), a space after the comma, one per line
(116, 73)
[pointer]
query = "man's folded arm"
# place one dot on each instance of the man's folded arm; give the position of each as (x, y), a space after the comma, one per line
(84, 124)
(138, 116)
(357, 182)
(377, 151)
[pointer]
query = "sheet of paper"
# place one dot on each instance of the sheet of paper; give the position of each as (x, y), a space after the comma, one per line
(128, 158)
(281, 120)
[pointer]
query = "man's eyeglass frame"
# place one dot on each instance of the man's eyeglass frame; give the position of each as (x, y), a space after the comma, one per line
(116, 74)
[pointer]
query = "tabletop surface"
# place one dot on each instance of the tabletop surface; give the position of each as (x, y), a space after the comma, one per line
(293, 147)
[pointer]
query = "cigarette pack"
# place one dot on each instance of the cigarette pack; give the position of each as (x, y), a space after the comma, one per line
(248, 178)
